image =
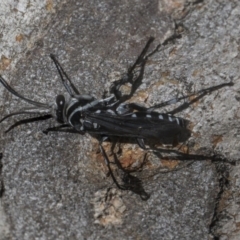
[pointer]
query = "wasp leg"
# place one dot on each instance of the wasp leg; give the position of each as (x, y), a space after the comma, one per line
(130, 182)
(141, 143)
(123, 108)
(130, 76)
(28, 120)
(141, 57)
(60, 129)
(140, 62)
(108, 165)
(134, 184)
(66, 81)
(198, 95)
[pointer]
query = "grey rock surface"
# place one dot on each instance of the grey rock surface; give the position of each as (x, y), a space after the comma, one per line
(54, 186)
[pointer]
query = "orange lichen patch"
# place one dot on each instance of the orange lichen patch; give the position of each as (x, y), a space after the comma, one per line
(173, 52)
(177, 3)
(170, 164)
(125, 89)
(49, 5)
(140, 96)
(237, 113)
(176, 7)
(128, 156)
(4, 62)
(131, 157)
(238, 225)
(97, 156)
(191, 126)
(184, 149)
(216, 139)
(196, 72)
(224, 200)
(170, 80)
(196, 134)
(171, 5)
(195, 103)
(165, 74)
(108, 207)
(195, 147)
(180, 29)
(157, 84)
(19, 37)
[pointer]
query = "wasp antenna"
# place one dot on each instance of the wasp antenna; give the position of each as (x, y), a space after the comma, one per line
(11, 90)
(28, 120)
(66, 82)
(19, 113)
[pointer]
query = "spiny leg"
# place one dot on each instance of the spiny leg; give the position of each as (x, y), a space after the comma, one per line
(201, 93)
(141, 61)
(141, 57)
(177, 155)
(131, 183)
(60, 129)
(107, 161)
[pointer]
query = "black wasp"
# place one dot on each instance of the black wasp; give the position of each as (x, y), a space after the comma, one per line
(112, 116)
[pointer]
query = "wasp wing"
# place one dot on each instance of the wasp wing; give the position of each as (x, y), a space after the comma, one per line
(140, 125)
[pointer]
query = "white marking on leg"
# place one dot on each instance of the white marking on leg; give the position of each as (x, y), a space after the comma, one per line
(148, 116)
(160, 116)
(170, 119)
(87, 122)
(81, 120)
(177, 121)
(98, 111)
(111, 111)
(172, 101)
(134, 115)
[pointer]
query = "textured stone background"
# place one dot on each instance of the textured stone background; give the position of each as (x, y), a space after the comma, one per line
(52, 186)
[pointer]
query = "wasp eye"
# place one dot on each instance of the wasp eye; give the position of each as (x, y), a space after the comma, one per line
(60, 100)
